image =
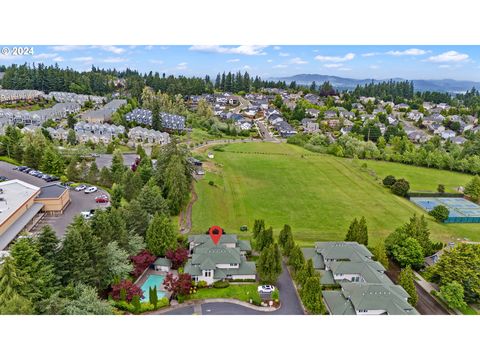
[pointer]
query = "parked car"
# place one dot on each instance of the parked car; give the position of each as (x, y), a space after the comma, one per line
(88, 214)
(67, 184)
(38, 174)
(90, 190)
(32, 172)
(94, 155)
(102, 199)
(266, 289)
(20, 168)
(81, 187)
(26, 170)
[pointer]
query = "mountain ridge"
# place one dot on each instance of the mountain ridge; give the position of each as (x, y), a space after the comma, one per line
(345, 83)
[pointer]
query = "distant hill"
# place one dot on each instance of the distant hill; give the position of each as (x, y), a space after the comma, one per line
(341, 83)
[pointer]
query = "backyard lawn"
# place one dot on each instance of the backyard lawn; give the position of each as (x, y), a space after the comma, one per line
(239, 292)
(318, 195)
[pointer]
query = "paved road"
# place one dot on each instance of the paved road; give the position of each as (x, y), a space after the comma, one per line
(426, 304)
(79, 201)
(106, 159)
(265, 132)
(288, 297)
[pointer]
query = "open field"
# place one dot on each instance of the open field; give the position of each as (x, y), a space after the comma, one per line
(318, 195)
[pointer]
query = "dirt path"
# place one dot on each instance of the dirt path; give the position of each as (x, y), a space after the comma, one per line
(185, 218)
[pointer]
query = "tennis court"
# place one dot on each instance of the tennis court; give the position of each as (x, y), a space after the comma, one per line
(460, 209)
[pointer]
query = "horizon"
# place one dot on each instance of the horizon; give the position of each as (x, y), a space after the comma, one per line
(459, 63)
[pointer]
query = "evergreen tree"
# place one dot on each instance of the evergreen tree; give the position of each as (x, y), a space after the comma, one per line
(37, 274)
(362, 232)
(353, 231)
(406, 280)
(311, 295)
(71, 137)
(48, 243)
(117, 168)
(285, 239)
(161, 235)
(154, 297)
(305, 273)
(258, 226)
(137, 218)
(151, 199)
(380, 253)
(93, 173)
(11, 283)
(116, 196)
(106, 177)
(132, 184)
(264, 239)
(270, 264)
(296, 259)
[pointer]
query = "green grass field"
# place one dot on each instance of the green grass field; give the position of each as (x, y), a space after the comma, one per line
(318, 195)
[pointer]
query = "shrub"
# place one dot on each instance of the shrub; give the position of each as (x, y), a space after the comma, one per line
(276, 295)
(144, 306)
(221, 284)
(401, 187)
(211, 183)
(440, 213)
(202, 284)
(441, 188)
(389, 180)
(125, 290)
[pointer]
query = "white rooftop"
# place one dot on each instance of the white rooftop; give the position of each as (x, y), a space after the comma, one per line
(13, 193)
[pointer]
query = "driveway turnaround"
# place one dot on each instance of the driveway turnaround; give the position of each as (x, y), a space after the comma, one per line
(290, 303)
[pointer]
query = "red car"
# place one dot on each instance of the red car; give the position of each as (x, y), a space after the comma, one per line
(101, 199)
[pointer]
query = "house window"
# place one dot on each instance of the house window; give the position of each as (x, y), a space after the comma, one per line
(233, 265)
(208, 273)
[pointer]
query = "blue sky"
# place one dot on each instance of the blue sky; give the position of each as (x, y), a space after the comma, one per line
(379, 62)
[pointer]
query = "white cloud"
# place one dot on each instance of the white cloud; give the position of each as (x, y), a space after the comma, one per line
(371, 54)
(113, 49)
(114, 60)
(283, 54)
(58, 59)
(67, 47)
(238, 50)
(149, 47)
(411, 52)
(233, 60)
(280, 66)
(444, 66)
(449, 56)
(83, 59)
(163, 47)
(182, 66)
(269, 60)
(344, 69)
(335, 59)
(374, 67)
(277, 47)
(45, 56)
(298, 61)
(246, 67)
(332, 65)
(155, 61)
(9, 57)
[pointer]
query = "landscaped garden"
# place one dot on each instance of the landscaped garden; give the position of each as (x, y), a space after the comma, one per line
(318, 195)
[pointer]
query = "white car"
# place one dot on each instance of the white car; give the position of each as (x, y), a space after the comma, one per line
(80, 187)
(266, 289)
(90, 190)
(87, 214)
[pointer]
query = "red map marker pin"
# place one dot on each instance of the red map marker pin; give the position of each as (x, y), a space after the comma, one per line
(215, 233)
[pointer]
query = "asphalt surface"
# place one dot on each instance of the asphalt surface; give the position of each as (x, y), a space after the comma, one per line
(426, 304)
(105, 160)
(265, 132)
(290, 303)
(79, 201)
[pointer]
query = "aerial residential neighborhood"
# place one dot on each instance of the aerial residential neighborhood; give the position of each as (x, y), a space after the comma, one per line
(357, 199)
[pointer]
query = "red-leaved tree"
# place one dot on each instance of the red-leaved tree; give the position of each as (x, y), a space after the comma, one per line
(180, 285)
(178, 257)
(141, 261)
(125, 290)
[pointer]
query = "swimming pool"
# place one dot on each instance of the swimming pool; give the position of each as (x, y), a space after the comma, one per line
(152, 280)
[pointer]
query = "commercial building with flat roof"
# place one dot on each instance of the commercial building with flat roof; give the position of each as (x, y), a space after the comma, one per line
(17, 208)
(22, 205)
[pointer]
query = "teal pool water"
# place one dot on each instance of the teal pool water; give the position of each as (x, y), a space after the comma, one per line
(152, 280)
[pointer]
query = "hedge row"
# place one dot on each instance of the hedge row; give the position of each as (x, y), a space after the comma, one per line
(434, 194)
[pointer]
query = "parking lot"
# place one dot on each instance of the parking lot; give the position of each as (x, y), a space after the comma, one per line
(105, 160)
(79, 200)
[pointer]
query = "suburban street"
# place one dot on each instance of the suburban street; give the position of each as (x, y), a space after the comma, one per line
(264, 131)
(79, 201)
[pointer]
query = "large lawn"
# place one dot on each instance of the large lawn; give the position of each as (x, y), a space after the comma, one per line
(318, 195)
(239, 292)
